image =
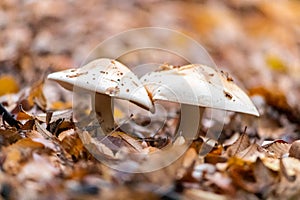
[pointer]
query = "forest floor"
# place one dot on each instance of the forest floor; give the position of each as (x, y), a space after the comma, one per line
(42, 155)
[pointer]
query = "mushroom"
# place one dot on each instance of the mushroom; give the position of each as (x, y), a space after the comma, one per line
(108, 79)
(193, 86)
(196, 86)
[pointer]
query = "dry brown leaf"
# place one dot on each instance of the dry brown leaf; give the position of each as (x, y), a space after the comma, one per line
(241, 144)
(291, 165)
(189, 158)
(130, 140)
(284, 172)
(42, 130)
(29, 125)
(52, 116)
(59, 105)
(36, 96)
(9, 136)
(23, 115)
(27, 143)
(273, 97)
(277, 100)
(252, 152)
(277, 148)
(12, 161)
(72, 144)
(46, 172)
(264, 177)
(215, 156)
(222, 181)
(17, 153)
(99, 150)
(242, 175)
(37, 137)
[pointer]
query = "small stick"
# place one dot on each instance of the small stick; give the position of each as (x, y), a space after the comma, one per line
(7, 117)
(245, 130)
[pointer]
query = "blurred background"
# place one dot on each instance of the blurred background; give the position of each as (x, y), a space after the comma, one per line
(257, 42)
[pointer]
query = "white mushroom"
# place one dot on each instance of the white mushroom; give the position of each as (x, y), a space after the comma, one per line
(107, 78)
(193, 86)
(196, 86)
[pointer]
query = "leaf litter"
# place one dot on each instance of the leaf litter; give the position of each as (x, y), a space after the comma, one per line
(43, 157)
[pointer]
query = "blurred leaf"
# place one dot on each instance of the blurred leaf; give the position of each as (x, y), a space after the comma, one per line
(36, 95)
(278, 148)
(204, 195)
(275, 63)
(294, 150)
(239, 145)
(9, 136)
(72, 144)
(8, 85)
(18, 153)
(59, 105)
(137, 147)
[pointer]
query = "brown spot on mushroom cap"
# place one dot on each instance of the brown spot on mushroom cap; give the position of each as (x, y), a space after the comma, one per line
(227, 76)
(227, 95)
(77, 75)
(112, 91)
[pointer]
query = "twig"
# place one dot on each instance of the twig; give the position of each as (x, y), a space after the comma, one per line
(7, 117)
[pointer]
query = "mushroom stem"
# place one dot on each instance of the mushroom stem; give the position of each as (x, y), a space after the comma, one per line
(104, 109)
(190, 121)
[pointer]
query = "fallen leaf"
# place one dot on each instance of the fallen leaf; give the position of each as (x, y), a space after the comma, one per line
(36, 96)
(17, 153)
(252, 152)
(8, 85)
(130, 140)
(37, 137)
(45, 173)
(9, 136)
(55, 115)
(72, 144)
(277, 148)
(98, 150)
(222, 181)
(239, 145)
(291, 165)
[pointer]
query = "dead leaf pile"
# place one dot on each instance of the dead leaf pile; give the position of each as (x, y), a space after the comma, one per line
(44, 155)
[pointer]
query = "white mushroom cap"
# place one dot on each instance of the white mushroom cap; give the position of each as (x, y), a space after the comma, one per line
(198, 85)
(105, 76)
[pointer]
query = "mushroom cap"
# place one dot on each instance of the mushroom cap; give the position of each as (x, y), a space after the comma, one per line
(198, 85)
(105, 76)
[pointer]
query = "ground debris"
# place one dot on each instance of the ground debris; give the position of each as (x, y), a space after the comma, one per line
(43, 152)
